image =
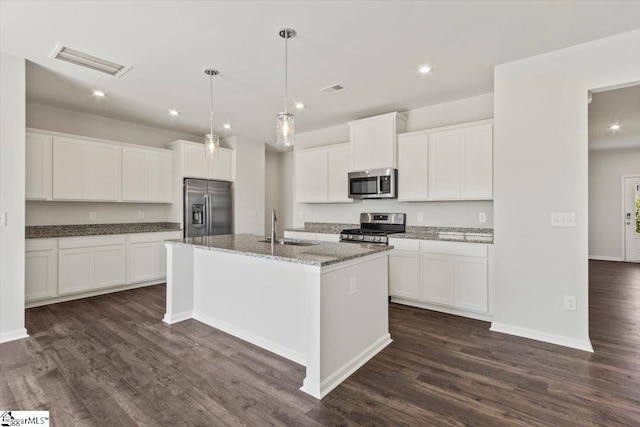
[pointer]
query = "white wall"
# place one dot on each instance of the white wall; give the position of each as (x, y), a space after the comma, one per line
(249, 186)
(12, 173)
(541, 166)
(45, 117)
(272, 190)
(605, 204)
(457, 214)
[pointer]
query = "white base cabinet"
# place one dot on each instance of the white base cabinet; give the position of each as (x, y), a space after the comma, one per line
(453, 277)
(73, 267)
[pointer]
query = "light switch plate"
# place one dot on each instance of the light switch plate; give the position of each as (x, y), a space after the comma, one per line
(563, 219)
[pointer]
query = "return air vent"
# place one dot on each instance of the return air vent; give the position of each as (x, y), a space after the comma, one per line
(333, 88)
(87, 60)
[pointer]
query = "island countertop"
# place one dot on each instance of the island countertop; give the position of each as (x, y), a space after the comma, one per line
(320, 254)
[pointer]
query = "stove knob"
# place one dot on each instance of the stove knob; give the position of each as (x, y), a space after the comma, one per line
(360, 237)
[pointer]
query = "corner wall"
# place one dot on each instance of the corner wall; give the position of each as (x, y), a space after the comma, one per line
(12, 176)
(540, 167)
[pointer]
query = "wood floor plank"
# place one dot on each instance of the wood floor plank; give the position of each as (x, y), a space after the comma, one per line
(110, 360)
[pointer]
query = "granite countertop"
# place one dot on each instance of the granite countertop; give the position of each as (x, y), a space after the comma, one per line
(51, 231)
(321, 254)
(447, 234)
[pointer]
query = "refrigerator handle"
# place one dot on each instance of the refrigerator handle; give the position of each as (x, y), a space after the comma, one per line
(206, 215)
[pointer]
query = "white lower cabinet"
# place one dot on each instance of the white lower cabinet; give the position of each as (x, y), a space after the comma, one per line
(404, 274)
(75, 268)
(41, 269)
(110, 266)
(148, 256)
(447, 276)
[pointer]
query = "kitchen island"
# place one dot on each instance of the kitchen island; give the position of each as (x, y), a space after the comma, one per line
(323, 305)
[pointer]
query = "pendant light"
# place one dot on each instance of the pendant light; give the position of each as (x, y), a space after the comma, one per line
(211, 141)
(285, 122)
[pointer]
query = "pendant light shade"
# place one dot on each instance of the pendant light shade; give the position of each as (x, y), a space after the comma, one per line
(285, 122)
(211, 140)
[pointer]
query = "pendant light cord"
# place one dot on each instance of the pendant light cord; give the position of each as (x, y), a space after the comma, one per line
(286, 66)
(211, 101)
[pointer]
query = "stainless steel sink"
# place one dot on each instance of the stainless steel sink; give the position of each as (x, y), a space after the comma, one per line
(290, 242)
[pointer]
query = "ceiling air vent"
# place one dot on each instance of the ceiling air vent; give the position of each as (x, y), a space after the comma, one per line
(87, 60)
(333, 88)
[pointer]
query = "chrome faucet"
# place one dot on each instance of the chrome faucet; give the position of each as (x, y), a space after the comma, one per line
(273, 226)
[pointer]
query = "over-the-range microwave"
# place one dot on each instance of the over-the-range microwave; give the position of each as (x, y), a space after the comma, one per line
(374, 184)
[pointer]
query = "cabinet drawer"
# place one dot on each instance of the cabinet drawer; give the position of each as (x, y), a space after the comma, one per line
(454, 248)
(154, 237)
(40, 244)
(90, 241)
(405, 244)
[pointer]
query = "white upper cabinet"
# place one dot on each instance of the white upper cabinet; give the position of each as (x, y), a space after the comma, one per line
(68, 168)
(39, 161)
(339, 165)
(461, 163)
(196, 165)
(146, 175)
(102, 172)
(373, 141)
(452, 163)
(413, 166)
(321, 174)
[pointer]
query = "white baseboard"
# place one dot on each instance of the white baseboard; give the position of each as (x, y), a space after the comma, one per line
(178, 317)
(605, 258)
(584, 345)
(486, 317)
(13, 335)
(321, 390)
(271, 346)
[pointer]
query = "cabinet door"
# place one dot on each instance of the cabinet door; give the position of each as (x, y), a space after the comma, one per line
(220, 165)
(319, 180)
(110, 265)
(437, 278)
(361, 135)
(384, 142)
(102, 172)
(39, 162)
(413, 166)
(159, 176)
(477, 162)
(404, 274)
(470, 283)
(75, 270)
(195, 164)
(134, 174)
(303, 178)
(339, 164)
(40, 274)
(445, 150)
(144, 261)
(68, 168)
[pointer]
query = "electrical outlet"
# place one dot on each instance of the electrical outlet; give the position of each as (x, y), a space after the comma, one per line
(563, 219)
(93, 215)
(140, 214)
(570, 303)
(420, 216)
(482, 217)
(352, 286)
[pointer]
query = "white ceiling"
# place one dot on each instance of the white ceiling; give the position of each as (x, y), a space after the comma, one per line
(621, 107)
(372, 48)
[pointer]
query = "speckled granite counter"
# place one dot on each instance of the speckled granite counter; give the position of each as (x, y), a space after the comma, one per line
(51, 231)
(448, 234)
(321, 254)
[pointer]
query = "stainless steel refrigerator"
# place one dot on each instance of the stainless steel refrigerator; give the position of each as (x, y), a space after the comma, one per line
(207, 207)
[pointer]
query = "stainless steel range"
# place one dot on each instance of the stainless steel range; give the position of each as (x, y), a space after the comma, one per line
(375, 228)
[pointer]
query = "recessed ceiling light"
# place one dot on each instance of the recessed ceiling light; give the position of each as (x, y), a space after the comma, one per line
(227, 125)
(99, 93)
(174, 112)
(424, 69)
(299, 105)
(614, 127)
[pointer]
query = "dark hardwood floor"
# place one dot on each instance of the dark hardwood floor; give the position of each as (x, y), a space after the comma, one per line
(111, 361)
